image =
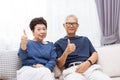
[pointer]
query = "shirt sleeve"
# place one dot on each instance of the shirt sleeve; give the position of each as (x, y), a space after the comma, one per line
(22, 54)
(91, 47)
(52, 62)
(58, 49)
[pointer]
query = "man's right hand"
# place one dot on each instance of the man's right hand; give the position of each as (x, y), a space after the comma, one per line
(24, 40)
(70, 47)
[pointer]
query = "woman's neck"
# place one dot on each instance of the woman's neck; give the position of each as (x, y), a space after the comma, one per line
(42, 41)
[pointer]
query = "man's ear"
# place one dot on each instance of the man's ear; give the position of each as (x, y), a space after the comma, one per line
(78, 25)
(63, 25)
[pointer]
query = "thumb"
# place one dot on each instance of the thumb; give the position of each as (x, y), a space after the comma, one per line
(68, 41)
(24, 32)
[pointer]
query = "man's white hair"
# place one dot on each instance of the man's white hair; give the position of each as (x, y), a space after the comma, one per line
(72, 16)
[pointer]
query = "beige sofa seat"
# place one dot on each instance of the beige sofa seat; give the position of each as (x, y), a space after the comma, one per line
(109, 59)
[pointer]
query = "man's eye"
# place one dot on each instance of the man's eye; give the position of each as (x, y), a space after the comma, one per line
(67, 23)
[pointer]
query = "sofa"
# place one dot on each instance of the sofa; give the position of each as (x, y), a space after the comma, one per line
(109, 57)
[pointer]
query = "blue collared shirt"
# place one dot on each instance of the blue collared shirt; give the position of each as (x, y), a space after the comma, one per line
(83, 51)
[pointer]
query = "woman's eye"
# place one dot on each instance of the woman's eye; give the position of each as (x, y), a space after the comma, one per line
(44, 29)
(39, 29)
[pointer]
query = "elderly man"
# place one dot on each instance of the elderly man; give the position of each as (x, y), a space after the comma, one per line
(77, 54)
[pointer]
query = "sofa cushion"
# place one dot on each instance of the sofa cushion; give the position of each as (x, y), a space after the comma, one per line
(57, 72)
(109, 57)
(116, 78)
(9, 63)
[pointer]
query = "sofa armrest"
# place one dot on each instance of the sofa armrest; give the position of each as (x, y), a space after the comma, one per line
(9, 64)
(109, 57)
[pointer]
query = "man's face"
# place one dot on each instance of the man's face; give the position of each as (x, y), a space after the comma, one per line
(71, 25)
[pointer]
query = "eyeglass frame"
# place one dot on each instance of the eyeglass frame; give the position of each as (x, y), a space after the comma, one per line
(71, 23)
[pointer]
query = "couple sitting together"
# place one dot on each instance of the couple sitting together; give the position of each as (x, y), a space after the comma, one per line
(75, 53)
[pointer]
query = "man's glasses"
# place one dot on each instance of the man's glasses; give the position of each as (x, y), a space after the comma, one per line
(71, 23)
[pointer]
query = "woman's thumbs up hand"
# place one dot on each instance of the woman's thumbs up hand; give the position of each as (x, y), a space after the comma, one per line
(24, 40)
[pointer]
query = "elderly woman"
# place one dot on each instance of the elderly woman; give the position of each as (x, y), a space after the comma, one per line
(37, 55)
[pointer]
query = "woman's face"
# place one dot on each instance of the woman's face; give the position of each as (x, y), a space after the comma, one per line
(40, 32)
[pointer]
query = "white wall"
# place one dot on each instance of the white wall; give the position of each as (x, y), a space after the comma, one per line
(16, 14)
(86, 12)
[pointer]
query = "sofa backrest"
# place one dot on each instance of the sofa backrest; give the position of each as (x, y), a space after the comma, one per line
(9, 64)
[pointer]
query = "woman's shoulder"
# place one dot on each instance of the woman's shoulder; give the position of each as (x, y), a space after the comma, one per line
(29, 41)
(49, 42)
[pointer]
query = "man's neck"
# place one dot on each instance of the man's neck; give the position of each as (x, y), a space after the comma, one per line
(71, 35)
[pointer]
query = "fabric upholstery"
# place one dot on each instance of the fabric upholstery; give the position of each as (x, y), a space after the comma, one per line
(109, 57)
(8, 65)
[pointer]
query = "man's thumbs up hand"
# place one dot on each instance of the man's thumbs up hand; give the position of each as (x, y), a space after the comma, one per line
(70, 47)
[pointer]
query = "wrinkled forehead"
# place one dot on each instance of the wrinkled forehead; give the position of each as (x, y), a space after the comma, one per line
(71, 19)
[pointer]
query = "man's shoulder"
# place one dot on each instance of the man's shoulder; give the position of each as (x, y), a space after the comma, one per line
(77, 37)
(82, 37)
(62, 39)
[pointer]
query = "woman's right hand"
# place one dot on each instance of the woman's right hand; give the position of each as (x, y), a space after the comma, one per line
(24, 40)
(38, 65)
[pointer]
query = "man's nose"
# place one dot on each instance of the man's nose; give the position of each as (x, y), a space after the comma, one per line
(71, 25)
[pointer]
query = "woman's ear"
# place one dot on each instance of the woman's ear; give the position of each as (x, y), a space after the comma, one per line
(33, 32)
